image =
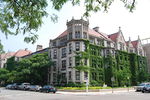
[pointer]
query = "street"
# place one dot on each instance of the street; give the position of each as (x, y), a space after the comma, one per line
(28, 95)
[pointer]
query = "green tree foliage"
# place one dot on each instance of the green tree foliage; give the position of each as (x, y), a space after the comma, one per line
(3, 76)
(25, 16)
(1, 48)
(11, 64)
(34, 69)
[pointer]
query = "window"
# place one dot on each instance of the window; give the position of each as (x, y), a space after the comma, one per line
(131, 51)
(107, 52)
(113, 52)
(92, 41)
(63, 52)
(54, 43)
(77, 62)
(85, 61)
(54, 66)
(55, 54)
(63, 75)
(93, 51)
(54, 77)
(121, 46)
(63, 64)
(69, 75)
(84, 47)
(77, 45)
(85, 75)
(84, 35)
(77, 75)
(70, 36)
(70, 61)
(77, 34)
(70, 48)
(108, 44)
(98, 42)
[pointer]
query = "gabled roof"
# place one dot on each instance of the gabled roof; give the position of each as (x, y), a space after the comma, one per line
(114, 36)
(134, 43)
(63, 34)
(127, 43)
(21, 53)
(98, 34)
(6, 55)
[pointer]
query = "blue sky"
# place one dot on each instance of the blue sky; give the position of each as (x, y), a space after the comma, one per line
(132, 24)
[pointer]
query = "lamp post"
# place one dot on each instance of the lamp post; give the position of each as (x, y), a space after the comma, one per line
(112, 80)
(87, 83)
(128, 82)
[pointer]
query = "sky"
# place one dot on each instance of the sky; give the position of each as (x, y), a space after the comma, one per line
(132, 24)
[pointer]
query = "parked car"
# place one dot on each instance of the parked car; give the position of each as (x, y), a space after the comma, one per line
(24, 86)
(146, 88)
(9, 86)
(141, 86)
(48, 88)
(16, 86)
(35, 88)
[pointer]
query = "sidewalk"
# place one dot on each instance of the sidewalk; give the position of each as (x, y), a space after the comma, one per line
(98, 92)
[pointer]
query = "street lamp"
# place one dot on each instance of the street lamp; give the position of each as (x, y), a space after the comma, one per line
(128, 82)
(87, 83)
(112, 80)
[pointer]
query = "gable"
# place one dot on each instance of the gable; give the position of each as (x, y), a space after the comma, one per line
(120, 38)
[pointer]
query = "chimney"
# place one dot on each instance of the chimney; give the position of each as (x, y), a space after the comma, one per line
(96, 29)
(39, 47)
(26, 49)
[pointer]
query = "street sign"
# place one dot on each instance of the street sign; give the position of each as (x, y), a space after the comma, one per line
(112, 79)
(87, 81)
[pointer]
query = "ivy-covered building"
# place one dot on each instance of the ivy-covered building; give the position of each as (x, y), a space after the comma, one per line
(81, 53)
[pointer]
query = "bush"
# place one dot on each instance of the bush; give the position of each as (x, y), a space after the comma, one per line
(95, 83)
(71, 84)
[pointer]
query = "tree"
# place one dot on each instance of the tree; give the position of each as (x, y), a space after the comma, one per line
(3, 76)
(1, 48)
(11, 64)
(25, 16)
(34, 69)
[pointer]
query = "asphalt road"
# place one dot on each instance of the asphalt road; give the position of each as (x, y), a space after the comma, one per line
(27, 95)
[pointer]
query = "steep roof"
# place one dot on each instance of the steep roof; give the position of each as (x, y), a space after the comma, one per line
(97, 34)
(90, 32)
(21, 53)
(63, 34)
(6, 55)
(134, 43)
(114, 36)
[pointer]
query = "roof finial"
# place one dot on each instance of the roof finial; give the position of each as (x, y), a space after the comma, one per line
(119, 28)
(129, 38)
(73, 17)
(138, 37)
